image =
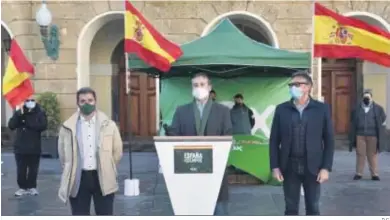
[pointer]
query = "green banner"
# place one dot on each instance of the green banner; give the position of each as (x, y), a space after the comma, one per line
(261, 94)
(251, 154)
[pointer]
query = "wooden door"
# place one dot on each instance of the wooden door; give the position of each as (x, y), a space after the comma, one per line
(143, 105)
(339, 91)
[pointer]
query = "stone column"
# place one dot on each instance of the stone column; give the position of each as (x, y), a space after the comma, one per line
(316, 72)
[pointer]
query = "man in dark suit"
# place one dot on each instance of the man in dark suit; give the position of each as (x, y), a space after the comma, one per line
(301, 146)
(204, 117)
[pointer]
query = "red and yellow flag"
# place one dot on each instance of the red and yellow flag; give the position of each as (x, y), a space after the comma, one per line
(17, 85)
(141, 38)
(336, 36)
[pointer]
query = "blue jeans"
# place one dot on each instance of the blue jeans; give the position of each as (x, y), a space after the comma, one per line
(292, 188)
(221, 209)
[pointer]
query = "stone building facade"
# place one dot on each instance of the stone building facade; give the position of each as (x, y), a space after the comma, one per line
(90, 32)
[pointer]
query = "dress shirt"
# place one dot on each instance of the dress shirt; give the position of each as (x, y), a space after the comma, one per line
(89, 147)
(200, 107)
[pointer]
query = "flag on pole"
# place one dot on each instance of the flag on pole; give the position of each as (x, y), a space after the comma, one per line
(337, 36)
(141, 38)
(17, 85)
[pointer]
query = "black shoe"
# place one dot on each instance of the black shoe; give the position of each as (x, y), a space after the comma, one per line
(375, 178)
(357, 177)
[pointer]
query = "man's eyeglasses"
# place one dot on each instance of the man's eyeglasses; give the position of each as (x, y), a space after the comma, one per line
(297, 84)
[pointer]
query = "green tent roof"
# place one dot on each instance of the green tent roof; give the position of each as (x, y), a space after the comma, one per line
(227, 45)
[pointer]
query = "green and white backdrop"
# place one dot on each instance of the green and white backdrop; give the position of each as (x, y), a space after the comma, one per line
(261, 94)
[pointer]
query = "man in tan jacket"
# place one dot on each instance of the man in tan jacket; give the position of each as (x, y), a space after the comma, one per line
(90, 148)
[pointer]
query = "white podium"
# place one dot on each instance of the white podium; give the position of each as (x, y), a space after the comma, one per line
(193, 168)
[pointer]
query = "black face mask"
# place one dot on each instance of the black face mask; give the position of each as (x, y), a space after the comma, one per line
(366, 100)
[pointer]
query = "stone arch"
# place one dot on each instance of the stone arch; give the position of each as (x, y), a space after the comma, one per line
(84, 42)
(5, 26)
(118, 61)
(260, 22)
(363, 14)
(95, 66)
(6, 110)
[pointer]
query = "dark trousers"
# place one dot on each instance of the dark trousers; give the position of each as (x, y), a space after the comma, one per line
(27, 166)
(90, 188)
(292, 189)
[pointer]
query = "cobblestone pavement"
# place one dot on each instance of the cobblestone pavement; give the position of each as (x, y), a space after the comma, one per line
(340, 196)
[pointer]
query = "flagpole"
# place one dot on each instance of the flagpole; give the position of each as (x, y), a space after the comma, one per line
(128, 121)
(312, 33)
(319, 60)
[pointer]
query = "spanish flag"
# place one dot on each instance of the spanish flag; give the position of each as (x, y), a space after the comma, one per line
(141, 38)
(17, 85)
(336, 36)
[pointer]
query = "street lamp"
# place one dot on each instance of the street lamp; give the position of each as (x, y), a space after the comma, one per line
(49, 32)
(7, 44)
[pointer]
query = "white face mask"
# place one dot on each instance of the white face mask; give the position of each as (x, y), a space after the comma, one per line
(200, 93)
(30, 104)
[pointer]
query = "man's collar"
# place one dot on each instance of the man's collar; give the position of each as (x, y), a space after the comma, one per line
(198, 103)
(302, 105)
(367, 106)
(92, 120)
(310, 103)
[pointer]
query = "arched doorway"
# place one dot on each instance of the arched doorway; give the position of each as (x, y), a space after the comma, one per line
(101, 65)
(143, 98)
(343, 80)
(6, 110)
(251, 25)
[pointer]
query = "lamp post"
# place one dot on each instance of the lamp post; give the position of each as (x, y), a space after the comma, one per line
(49, 32)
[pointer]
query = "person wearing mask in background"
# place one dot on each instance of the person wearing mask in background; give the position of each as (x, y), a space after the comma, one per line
(89, 147)
(203, 117)
(241, 116)
(213, 95)
(29, 121)
(367, 134)
(301, 146)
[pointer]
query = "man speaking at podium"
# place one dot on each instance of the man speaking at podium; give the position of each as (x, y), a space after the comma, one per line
(204, 117)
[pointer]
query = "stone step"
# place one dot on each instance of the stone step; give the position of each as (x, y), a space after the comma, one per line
(139, 144)
(244, 179)
(341, 142)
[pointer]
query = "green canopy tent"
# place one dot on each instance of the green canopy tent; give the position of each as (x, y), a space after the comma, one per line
(224, 53)
(227, 51)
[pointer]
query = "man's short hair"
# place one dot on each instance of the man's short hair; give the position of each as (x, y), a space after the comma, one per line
(201, 74)
(85, 90)
(212, 91)
(368, 91)
(238, 96)
(303, 74)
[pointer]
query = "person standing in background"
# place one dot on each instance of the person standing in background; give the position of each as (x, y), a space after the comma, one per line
(241, 116)
(213, 95)
(29, 121)
(367, 135)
